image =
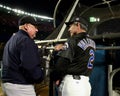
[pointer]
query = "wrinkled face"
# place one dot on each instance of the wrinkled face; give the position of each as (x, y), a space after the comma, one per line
(31, 30)
(73, 28)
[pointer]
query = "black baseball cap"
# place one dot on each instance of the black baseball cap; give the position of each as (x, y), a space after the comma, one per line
(28, 19)
(77, 19)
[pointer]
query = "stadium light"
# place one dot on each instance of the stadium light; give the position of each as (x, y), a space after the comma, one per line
(24, 13)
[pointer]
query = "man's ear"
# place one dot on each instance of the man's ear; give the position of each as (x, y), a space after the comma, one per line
(25, 26)
(79, 25)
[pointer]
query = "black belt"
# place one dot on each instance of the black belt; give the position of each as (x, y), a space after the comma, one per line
(77, 77)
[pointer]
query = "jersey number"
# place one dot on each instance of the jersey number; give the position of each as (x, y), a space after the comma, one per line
(91, 59)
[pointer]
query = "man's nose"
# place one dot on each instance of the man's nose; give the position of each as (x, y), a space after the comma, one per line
(36, 30)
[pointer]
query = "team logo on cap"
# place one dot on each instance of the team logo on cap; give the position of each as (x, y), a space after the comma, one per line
(77, 19)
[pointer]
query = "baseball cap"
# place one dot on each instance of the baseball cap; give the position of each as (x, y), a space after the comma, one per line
(77, 19)
(28, 19)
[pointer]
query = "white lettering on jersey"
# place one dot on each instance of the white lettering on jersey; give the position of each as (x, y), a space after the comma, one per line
(85, 43)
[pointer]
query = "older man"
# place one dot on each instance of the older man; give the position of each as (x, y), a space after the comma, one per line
(76, 60)
(21, 66)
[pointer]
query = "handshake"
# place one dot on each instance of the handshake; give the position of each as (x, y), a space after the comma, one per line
(59, 47)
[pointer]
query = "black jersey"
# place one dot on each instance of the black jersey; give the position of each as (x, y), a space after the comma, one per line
(79, 50)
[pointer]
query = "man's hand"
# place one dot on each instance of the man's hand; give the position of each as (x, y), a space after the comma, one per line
(58, 47)
(57, 82)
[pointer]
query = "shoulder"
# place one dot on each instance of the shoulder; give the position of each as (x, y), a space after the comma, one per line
(85, 43)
